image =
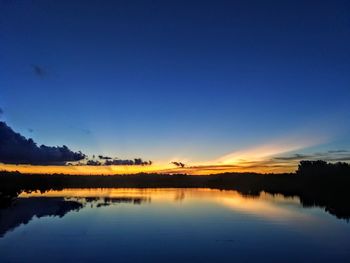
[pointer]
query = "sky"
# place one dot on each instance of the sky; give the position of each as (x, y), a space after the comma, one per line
(216, 85)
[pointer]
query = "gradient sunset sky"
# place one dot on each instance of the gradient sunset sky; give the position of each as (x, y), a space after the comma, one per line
(217, 85)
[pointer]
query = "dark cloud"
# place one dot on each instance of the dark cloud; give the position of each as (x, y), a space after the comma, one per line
(93, 163)
(333, 155)
(338, 151)
(178, 164)
(86, 131)
(346, 158)
(16, 149)
(296, 156)
(104, 157)
(39, 71)
(136, 161)
(108, 161)
(340, 158)
(80, 129)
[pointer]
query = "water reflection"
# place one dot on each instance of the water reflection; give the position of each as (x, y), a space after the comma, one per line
(24, 209)
(173, 225)
(59, 202)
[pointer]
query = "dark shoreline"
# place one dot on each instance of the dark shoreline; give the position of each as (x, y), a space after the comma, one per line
(316, 183)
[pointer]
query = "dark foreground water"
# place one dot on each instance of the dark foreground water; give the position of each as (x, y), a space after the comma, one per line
(168, 225)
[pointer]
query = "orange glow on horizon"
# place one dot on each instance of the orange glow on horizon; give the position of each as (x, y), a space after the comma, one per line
(163, 169)
(259, 159)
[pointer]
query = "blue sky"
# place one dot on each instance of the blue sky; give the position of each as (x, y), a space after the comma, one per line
(192, 80)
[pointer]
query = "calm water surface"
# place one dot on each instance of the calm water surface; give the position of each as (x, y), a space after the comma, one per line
(168, 225)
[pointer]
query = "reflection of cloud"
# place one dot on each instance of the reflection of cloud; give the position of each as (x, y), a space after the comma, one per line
(264, 206)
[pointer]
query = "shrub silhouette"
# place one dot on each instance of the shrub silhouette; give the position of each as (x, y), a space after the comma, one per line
(316, 183)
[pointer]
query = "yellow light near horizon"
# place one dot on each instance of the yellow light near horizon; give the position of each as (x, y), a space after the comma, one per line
(257, 166)
(257, 159)
(265, 206)
(81, 169)
(266, 151)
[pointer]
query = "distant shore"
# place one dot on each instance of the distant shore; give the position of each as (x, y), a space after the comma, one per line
(316, 183)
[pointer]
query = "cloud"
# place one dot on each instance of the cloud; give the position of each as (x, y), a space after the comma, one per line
(338, 151)
(178, 164)
(278, 164)
(260, 167)
(16, 149)
(39, 71)
(108, 161)
(296, 141)
(93, 163)
(294, 157)
(104, 157)
(136, 161)
(329, 156)
(81, 129)
(86, 131)
(343, 158)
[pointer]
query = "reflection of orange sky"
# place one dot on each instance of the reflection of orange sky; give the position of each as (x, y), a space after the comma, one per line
(265, 206)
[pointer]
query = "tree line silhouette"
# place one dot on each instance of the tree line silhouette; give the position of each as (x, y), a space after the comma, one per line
(316, 183)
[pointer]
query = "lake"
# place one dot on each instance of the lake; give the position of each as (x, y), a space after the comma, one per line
(168, 225)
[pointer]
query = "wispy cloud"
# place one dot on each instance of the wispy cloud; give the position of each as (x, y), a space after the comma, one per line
(294, 157)
(338, 151)
(178, 164)
(39, 71)
(329, 156)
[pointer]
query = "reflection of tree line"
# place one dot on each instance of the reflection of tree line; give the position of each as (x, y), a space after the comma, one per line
(17, 211)
(22, 210)
(106, 201)
(316, 183)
